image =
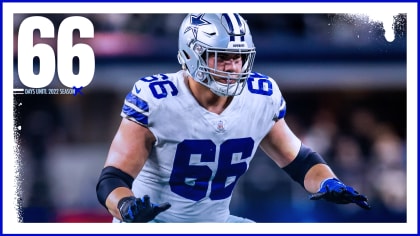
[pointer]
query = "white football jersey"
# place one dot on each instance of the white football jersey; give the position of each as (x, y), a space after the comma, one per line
(198, 156)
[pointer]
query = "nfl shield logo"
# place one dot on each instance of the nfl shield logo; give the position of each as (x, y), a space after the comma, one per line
(220, 126)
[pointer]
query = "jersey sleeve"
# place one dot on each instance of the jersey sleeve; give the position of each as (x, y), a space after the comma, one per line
(266, 89)
(282, 108)
(136, 106)
(278, 101)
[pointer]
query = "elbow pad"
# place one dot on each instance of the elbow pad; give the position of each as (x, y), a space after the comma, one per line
(305, 159)
(110, 179)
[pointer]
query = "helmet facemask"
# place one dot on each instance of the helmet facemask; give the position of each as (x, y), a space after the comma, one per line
(221, 82)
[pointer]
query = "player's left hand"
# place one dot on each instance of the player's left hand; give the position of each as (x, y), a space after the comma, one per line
(335, 191)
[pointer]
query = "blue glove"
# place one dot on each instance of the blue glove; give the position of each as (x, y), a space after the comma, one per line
(335, 191)
(134, 209)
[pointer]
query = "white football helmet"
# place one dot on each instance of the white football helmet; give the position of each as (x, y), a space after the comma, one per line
(203, 34)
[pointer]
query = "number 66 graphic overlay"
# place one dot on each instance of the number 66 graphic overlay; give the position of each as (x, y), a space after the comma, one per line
(66, 52)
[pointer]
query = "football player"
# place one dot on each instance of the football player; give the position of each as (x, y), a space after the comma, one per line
(186, 137)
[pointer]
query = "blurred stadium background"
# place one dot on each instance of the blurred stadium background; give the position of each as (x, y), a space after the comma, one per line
(344, 84)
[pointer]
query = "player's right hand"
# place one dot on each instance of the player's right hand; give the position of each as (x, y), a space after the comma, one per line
(134, 209)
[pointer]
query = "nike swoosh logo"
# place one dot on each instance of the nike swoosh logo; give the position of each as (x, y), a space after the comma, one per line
(137, 89)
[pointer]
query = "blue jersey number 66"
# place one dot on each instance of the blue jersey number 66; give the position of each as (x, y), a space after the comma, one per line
(193, 180)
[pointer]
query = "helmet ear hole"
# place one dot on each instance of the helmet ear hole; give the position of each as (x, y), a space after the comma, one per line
(183, 57)
(186, 54)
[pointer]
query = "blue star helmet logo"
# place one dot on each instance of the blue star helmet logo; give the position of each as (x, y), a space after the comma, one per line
(195, 22)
